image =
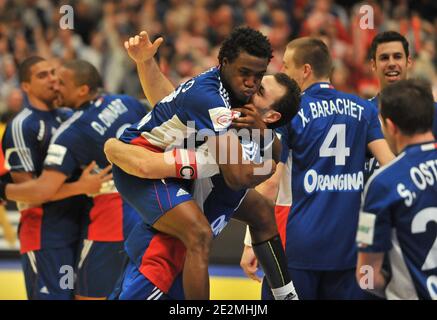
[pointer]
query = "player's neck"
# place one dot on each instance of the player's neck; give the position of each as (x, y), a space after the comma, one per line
(308, 83)
(85, 100)
(419, 138)
(39, 104)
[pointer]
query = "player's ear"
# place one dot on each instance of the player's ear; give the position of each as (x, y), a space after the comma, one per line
(307, 70)
(84, 90)
(391, 127)
(409, 62)
(373, 64)
(271, 116)
(25, 86)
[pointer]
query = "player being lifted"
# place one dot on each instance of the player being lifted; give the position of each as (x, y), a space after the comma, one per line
(206, 99)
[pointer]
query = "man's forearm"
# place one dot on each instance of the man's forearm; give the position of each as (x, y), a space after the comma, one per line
(155, 85)
(67, 190)
(138, 161)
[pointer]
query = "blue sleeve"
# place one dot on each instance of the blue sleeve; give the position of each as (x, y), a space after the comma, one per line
(375, 224)
(64, 152)
(21, 145)
(374, 132)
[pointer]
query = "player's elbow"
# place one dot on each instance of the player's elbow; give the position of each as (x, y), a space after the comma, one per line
(108, 149)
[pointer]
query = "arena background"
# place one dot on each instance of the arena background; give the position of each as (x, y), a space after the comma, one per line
(193, 31)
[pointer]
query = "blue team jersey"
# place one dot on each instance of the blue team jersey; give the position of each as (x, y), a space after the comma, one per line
(327, 141)
(26, 140)
(200, 105)
(79, 141)
(371, 164)
(399, 216)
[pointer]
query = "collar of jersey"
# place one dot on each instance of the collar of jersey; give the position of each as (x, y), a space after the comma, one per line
(89, 103)
(318, 86)
(423, 146)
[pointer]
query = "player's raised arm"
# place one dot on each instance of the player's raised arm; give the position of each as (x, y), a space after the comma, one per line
(140, 49)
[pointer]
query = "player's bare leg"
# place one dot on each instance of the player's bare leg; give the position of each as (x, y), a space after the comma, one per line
(187, 223)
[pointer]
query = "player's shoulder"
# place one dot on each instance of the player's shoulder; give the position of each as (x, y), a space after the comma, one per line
(69, 128)
(121, 97)
(208, 87)
(26, 119)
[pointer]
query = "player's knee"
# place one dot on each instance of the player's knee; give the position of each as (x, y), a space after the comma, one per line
(200, 239)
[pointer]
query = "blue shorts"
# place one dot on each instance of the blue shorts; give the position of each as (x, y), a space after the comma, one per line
(135, 286)
(151, 198)
(100, 264)
(323, 285)
(49, 273)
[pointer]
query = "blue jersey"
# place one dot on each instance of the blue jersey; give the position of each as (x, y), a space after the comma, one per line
(399, 216)
(371, 164)
(200, 104)
(328, 140)
(26, 140)
(79, 141)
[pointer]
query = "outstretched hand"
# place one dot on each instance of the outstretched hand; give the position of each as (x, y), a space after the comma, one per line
(140, 48)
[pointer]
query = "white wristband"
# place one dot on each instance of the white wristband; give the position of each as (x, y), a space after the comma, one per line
(247, 238)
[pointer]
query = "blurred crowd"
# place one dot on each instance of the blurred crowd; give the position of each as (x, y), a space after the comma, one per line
(193, 30)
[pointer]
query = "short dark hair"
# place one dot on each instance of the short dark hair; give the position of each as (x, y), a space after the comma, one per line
(85, 74)
(409, 104)
(388, 36)
(314, 52)
(289, 104)
(24, 67)
(245, 39)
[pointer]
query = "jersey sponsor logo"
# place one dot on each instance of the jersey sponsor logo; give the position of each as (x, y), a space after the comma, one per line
(221, 117)
(339, 182)
(55, 155)
(366, 228)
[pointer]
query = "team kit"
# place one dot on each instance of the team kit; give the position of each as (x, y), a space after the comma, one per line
(328, 183)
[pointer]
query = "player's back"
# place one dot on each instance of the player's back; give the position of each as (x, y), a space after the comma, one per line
(403, 195)
(80, 141)
(328, 141)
